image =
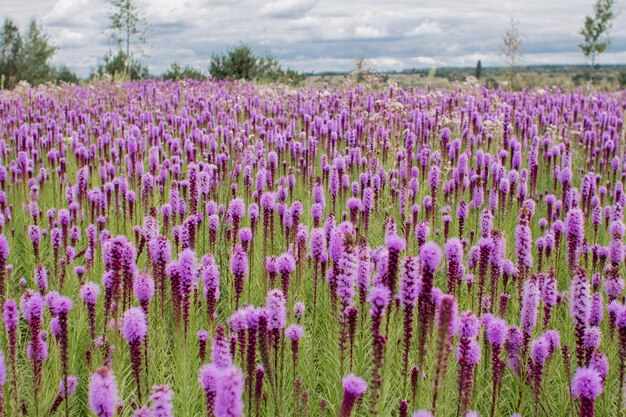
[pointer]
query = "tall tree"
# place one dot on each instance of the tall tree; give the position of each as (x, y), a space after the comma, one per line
(512, 47)
(128, 29)
(38, 51)
(11, 49)
(25, 57)
(479, 70)
(595, 31)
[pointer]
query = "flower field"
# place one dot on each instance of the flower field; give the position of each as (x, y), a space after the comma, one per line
(225, 249)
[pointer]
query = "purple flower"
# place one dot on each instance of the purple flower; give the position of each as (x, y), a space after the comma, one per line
(496, 331)
(596, 310)
(587, 384)
(207, 377)
(228, 393)
(574, 233)
(143, 287)
(286, 265)
(220, 351)
(10, 315)
(454, 254)
(3, 371)
(430, 255)
(162, 401)
(336, 244)
(530, 304)
(294, 332)
(379, 297)
(410, 282)
(134, 327)
(103, 397)
(276, 307)
(239, 269)
(468, 325)
(31, 306)
(422, 413)
(579, 298)
(539, 351)
(353, 389)
(72, 383)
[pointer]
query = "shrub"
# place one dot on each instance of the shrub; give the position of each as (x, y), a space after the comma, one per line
(178, 72)
(240, 63)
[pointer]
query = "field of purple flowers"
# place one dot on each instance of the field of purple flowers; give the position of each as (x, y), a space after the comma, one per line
(225, 249)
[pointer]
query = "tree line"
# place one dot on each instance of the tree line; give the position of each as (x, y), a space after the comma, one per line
(27, 55)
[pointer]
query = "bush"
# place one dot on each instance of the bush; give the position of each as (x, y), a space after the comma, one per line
(492, 83)
(115, 65)
(64, 74)
(621, 78)
(177, 72)
(240, 63)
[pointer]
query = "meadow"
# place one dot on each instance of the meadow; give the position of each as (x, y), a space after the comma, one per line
(226, 249)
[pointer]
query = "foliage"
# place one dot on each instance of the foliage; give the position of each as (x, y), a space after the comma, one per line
(64, 74)
(178, 72)
(115, 64)
(268, 69)
(595, 30)
(37, 53)
(11, 51)
(622, 79)
(25, 57)
(127, 30)
(241, 63)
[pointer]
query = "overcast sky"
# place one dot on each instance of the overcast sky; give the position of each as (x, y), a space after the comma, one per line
(324, 35)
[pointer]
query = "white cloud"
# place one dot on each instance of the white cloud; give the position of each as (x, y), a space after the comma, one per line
(320, 35)
(425, 29)
(286, 8)
(368, 32)
(70, 38)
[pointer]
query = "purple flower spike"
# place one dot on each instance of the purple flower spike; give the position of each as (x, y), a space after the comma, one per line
(239, 269)
(587, 385)
(103, 397)
(430, 255)
(162, 401)
(134, 325)
(134, 330)
(353, 389)
(228, 393)
(574, 234)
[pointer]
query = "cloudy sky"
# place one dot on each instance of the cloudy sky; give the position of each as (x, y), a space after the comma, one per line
(320, 35)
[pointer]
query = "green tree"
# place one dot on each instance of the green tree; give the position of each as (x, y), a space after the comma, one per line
(178, 72)
(239, 63)
(128, 29)
(268, 69)
(595, 31)
(479, 70)
(37, 54)
(64, 74)
(115, 64)
(11, 50)
(25, 57)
